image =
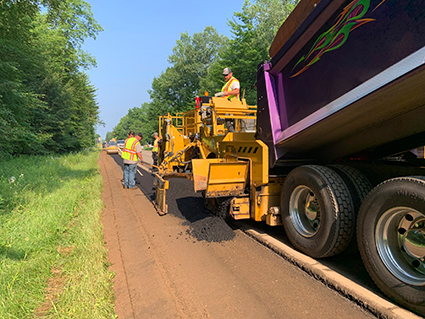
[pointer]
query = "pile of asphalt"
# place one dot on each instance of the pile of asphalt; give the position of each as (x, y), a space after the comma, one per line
(211, 229)
(189, 206)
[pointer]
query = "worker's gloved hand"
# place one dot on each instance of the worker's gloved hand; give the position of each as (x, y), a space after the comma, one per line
(219, 94)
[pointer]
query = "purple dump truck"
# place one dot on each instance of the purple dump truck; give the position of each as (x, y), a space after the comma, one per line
(341, 105)
(348, 81)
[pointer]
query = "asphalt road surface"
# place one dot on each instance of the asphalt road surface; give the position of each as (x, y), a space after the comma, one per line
(190, 264)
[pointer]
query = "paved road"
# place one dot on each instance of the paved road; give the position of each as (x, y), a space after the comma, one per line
(189, 264)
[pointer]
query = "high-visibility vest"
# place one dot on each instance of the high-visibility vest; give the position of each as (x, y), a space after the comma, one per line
(226, 88)
(129, 151)
(155, 145)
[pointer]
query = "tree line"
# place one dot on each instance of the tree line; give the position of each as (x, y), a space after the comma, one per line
(47, 103)
(197, 62)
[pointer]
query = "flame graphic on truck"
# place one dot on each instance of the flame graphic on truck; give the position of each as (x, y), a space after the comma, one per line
(348, 20)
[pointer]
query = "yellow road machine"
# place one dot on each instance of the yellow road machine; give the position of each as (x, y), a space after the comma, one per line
(215, 147)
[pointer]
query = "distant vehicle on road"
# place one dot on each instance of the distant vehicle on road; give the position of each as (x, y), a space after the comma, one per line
(121, 143)
(112, 148)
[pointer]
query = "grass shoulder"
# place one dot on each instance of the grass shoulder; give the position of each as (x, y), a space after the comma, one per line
(52, 257)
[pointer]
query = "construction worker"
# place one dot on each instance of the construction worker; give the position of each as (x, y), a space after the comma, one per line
(229, 90)
(155, 149)
(131, 153)
(232, 86)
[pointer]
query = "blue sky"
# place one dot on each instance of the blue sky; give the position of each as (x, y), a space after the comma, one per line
(134, 47)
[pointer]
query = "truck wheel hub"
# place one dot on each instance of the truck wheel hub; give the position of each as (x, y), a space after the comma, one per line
(304, 210)
(400, 240)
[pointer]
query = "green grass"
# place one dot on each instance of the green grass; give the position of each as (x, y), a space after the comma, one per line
(50, 231)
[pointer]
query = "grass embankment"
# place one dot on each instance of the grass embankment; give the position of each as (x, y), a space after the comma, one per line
(52, 258)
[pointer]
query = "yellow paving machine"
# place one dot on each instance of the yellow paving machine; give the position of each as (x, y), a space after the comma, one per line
(215, 147)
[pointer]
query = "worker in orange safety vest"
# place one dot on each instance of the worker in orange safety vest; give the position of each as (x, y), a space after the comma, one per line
(232, 86)
(229, 90)
(131, 153)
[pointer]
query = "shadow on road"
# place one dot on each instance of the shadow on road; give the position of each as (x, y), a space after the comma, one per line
(186, 205)
(189, 206)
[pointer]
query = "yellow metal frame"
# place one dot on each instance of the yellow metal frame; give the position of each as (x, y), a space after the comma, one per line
(239, 208)
(177, 136)
(220, 177)
(199, 130)
(160, 194)
(264, 198)
(220, 109)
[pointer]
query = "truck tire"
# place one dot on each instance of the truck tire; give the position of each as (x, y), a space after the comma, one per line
(357, 183)
(391, 237)
(359, 187)
(317, 211)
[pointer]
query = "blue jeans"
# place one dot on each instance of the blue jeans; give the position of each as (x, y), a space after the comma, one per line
(129, 174)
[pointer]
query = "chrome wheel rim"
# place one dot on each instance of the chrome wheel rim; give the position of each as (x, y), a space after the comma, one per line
(304, 210)
(400, 240)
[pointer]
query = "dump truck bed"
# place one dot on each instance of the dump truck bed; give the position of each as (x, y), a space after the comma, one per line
(346, 79)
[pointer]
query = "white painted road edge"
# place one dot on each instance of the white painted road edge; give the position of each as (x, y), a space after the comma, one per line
(364, 297)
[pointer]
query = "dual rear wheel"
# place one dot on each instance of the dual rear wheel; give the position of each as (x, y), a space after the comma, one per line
(319, 213)
(391, 236)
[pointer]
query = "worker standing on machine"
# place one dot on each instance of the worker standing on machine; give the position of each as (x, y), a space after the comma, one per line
(155, 150)
(232, 86)
(230, 90)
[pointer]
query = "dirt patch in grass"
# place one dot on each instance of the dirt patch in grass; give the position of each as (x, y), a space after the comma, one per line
(55, 286)
(65, 250)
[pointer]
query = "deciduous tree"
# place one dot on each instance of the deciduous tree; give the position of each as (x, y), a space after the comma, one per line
(253, 29)
(47, 103)
(175, 89)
